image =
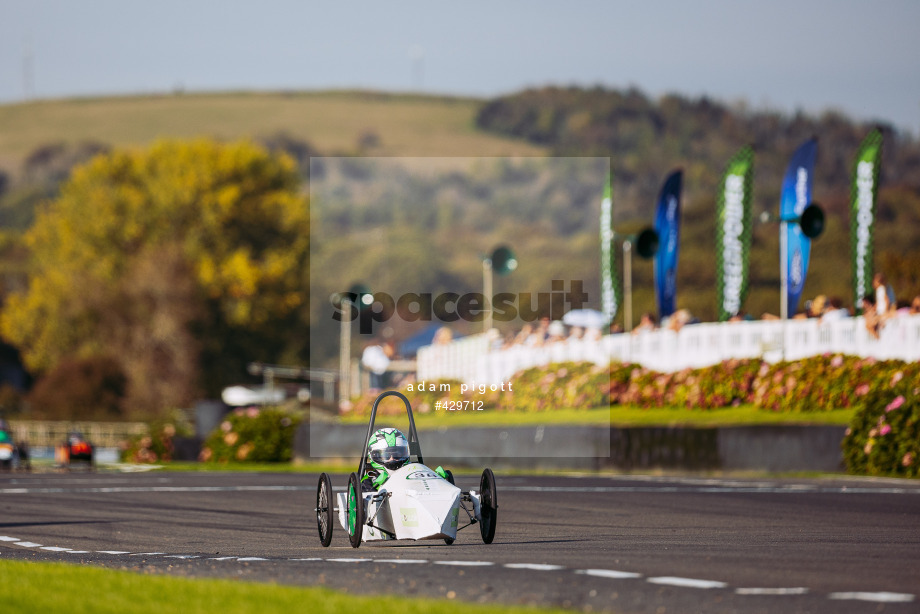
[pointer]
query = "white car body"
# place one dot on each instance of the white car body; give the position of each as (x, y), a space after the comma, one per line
(414, 503)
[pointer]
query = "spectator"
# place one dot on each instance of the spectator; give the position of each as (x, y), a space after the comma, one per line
(442, 336)
(834, 310)
(576, 333)
(524, 335)
(818, 306)
(538, 333)
(870, 315)
(884, 296)
(646, 322)
(679, 319)
(915, 306)
(376, 359)
(555, 332)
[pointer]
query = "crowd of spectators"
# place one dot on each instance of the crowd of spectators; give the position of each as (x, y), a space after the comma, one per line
(877, 308)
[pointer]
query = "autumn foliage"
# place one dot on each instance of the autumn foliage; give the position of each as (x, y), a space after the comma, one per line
(180, 261)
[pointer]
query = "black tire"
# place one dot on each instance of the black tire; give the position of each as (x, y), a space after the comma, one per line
(450, 476)
(354, 511)
(488, 506)
(324, 506)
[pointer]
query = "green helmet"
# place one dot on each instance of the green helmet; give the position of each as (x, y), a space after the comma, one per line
(388, 448)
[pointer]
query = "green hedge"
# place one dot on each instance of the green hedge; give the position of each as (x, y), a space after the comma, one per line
(822, 382)
(157, 444)
(819, 383)
(884, 436)
(253, 434)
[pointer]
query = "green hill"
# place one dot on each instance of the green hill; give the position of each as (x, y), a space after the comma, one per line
(645, 139)
(334, 123)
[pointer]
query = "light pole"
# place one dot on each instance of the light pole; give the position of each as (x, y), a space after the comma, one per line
(812, 224)
(627, 285)
(646, 245)
(349, 307)
(345, 349)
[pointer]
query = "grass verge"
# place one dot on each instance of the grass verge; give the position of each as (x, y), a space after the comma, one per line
(77, 590)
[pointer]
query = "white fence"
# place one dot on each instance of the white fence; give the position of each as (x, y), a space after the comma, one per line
(471, 359)
(47, 434)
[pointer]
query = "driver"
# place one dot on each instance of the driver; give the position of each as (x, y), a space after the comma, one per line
(387, 450)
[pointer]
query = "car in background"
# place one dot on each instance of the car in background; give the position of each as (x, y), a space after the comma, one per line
(12, 455)
(76, 451)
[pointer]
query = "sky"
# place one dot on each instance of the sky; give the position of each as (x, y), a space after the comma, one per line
(854, 56)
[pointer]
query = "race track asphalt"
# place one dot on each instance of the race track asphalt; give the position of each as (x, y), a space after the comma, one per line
(614, 544)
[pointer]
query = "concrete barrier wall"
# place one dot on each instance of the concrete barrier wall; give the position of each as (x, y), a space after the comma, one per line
(766, 448)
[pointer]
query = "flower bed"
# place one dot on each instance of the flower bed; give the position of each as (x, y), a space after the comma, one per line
(253, 434)
(157, 444)
(884, 436)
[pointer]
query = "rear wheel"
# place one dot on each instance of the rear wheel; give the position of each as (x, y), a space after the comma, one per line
(354, 511)
(324, 510)
(488, 506)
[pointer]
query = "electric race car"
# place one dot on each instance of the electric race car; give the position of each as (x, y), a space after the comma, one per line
(75, 450)
(415, 502)
(12, 455)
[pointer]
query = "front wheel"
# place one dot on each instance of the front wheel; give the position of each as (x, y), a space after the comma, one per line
(488, 506)
(355, 511)
(324, 510)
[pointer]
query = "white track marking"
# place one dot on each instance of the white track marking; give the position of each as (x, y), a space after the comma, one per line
(799, 590)
(876, 597)
(147, 553)
(608, 573)
(533, 566)
(712, 486)
(128, 489)
(686, 582)
(794, 489)
(882, 597)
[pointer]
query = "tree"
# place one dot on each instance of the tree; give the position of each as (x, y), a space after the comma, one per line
(187, 249)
